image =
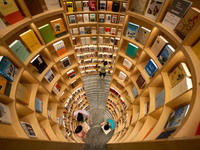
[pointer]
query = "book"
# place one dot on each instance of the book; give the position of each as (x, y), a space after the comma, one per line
(94, 30)
(83, 40)
(2, 24)
(3, 83)
(22, 94)
(92, 18)
(101, 18)
(165, 54)
(131, 50)
(140, 81)
(86, 17)
(198, 130)
(56, 88)
(65, 62)
(195, 49)
(10, 11)
(60, 48)
(121, 19)
(87, 30)
(39, 63)
(5, 116)
(187, 23)
(123, 8)
(18, 48)
(52, 4)
(119, 32)
(74, 84)
(100, 39)
(102, 5)
(32, 5)
(87, 40)
(115, 6)
(86, 127)
(158, 45)
(176, 11)
(69, 6)
(113, 31)
(107, 40)
(94, 40)
(134, 92)
(153, 8)
(146, 108)
(139, 6)
(180, 72)
(31, 40)
(109, 5)
(78, 5)
(7, 69)
(176, 118)
(122, 76)
(107, 30)
(181, 87)
(85, 5)
(101, 30)
(71, 74)
(143, 35)
(126, 64)
(108, 18)
(165, 134)
(58, 27)
(132, 30)
(75, 31)
(38, 105)
(63, 97)
(79, 18)
(73, 20)
(46, 33)
(28, 129)
(112, 40)
(82, 30)
(8, 89)
(159, 99)
(114, 19)
(92, 5)
(49, 76)
(151, 68)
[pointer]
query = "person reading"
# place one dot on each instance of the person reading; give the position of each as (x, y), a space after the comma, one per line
(82, 116)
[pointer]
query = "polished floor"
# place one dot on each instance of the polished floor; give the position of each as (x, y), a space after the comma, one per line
(97, 92)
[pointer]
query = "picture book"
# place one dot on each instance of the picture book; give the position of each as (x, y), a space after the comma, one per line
(132, 30)
(32, 5)
(143, 35)
(39, 63)
(131, 50)
(85, 5)
(187, 23)
(126, 64)
(121, 19)
(49, 76)
(52, 4)
(46, 33)
(140, 81)
(60, 48)
(69, 6)
(56, 88)
(176, 118)
(28, 129)
(78, 5)
(122, 76)
(82, 30)
(165, 54)
(176, 11)
(123, 8)
(7, 69)
(102, 5)
(86, 17)
(115, 6)
(72, 18)
(101, 18)
(151, 68)
(109, 5)
(65, 62)
(22, 94)
(38, 105)
(31, 40)
(92, 5)
(58, 27)
(18, 48)
(92, 18)
(114, 19)
(159, 99)
(10, 11)
(196, 50)
(5, 116)
(139, 6)
(108, 18)
(180, 72)
(153, 8)
(3, 83)
(2, 24)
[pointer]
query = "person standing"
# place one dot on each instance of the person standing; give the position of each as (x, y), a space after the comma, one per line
(103, 70)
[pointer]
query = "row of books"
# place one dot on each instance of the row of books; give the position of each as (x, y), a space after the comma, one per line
(107, 48)
(86, 55)
(107, 18)
(85, 48)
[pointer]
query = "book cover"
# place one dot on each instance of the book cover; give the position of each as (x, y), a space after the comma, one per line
(3, 83)
(107, 40)
(87, 30)
(123, 8)
(82, 30)
(134, 92)
(181, 87)
(122, 76)
(114, 19)
(165, 134)
(71, 74)
(126, 64)
(101, 30)
(38, 105)
(60, 48)
(31, 40)
(108, 18)
(159, 99)
(153, 8)
(10, 11)
(121, 19)
(7, 69)
(132, 30)
(5, 114)
(85, 5)
(109, 5)
(83, 40)
(158, 45)
(196, 50)
(78, 5)
(187, 23)
(79, 18)
(165, 54)
(94, 40)
(69, 7)
(22, 94)
(58, 27)
(49, 76)
(75, 31)
(102, 5)
(87, 40)
(92, 18)
(115, 6)
(131, 50)
(73, 20)
(139, 6)
(39, 63)
(180, 72)
(2, 24)
(32, 5)
(176, 118)
(74, 84)
(113, 31)
(86, 17)
(28, 129)
(100, 39)
(56, 88)
(52, 4)
(143, 35)
(101, 18)
(112, 40)
(18, 48)
(92, 5)
(46, 33)
(107, 30)
(65, 62)
(176, 11)
(151, 68)
(140, 81)
(8, 89)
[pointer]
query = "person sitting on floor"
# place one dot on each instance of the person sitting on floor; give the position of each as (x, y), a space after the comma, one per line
(80, 132)
(82, 116)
